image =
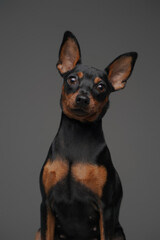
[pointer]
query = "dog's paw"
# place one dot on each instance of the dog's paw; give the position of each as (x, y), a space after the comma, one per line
(38, 235)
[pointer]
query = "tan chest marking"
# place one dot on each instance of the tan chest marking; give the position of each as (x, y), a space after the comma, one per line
(53, 172)
(92, 176)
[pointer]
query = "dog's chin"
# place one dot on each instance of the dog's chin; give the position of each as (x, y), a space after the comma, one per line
(79, 112)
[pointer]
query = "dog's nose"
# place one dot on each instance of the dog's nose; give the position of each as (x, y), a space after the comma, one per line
(82, 100)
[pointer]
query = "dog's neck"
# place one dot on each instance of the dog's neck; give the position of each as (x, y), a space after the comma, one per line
(79, 140)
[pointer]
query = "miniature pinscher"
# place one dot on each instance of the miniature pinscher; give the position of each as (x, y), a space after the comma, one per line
(81, 190)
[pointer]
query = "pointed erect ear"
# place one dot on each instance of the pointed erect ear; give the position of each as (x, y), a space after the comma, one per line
(69, 53)
(120, 69)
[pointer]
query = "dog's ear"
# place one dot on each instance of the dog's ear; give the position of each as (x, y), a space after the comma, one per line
(69, 53)
(120, 69)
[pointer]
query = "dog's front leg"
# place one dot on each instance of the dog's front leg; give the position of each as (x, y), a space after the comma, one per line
(112, 227)
(47, 223)
(38, 235)
(101, 225)
(50, 228)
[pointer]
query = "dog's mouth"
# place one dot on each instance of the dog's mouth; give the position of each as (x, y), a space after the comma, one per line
(79, 111)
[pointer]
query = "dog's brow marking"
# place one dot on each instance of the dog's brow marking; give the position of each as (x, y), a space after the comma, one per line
(92, 176)
(54, 171)
(80, 74)
(97, 80)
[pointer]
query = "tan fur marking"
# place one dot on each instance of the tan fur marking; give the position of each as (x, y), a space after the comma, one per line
(68, 103)
(38, 235)
(95, 108)
(80, 74)
(97, 80)
(92, 176)
(50, 226)
(101, 226)
(54, 172)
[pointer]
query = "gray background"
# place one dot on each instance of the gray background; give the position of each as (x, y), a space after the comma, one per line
(30, 36)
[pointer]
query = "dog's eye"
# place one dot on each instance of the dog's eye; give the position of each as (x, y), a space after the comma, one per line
(72, 80)
(101, 87)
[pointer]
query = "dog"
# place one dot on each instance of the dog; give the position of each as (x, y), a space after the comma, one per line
(81, 190)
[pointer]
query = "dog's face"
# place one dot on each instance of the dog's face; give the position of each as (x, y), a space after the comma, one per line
(86, 90)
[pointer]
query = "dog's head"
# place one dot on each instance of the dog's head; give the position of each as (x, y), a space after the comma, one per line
(86, 90)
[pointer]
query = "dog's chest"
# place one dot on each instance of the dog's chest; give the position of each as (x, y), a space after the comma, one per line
(89, 175)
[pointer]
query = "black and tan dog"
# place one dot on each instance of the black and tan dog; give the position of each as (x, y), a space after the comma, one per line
(81, 190)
